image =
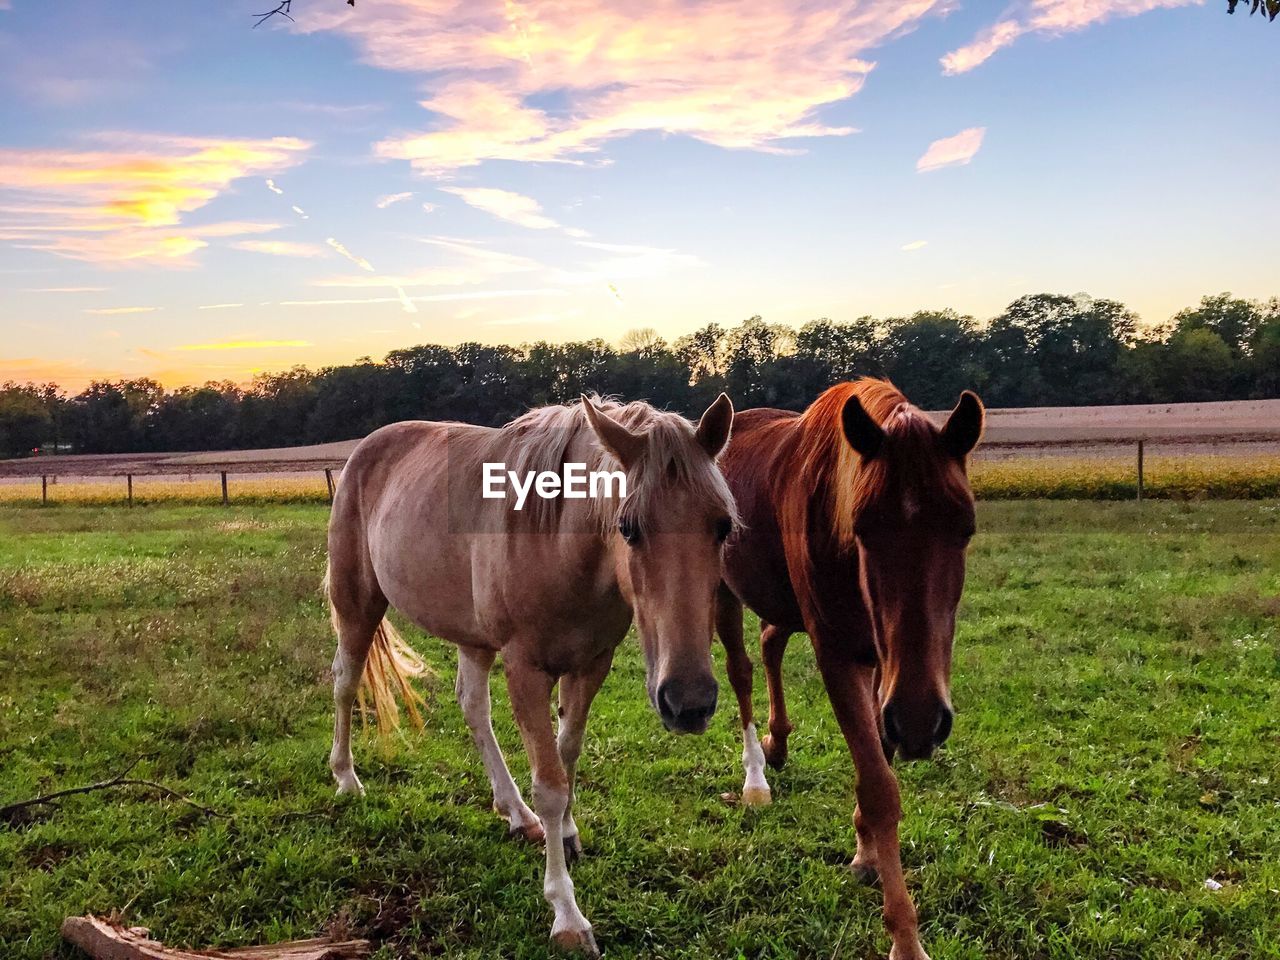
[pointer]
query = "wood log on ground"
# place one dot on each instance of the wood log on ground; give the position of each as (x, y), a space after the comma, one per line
(105, 940)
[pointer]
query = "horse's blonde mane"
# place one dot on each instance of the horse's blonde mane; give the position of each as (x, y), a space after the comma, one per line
(545, 438)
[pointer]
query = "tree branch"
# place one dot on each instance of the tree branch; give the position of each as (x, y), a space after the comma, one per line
(107, 940)
(282, 8)
(8, 814)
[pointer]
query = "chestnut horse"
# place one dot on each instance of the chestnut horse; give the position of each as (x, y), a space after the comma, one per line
(552, 587)
(856, 517)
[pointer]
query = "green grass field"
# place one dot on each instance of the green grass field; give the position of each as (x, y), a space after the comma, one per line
(1117, 680)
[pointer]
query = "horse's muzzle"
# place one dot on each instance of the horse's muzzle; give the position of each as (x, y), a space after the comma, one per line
(916, 733)
(687, 705)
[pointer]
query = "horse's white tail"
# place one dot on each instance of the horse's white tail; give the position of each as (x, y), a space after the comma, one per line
(390, 665)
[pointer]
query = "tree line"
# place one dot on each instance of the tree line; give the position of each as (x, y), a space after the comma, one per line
(1043, 350)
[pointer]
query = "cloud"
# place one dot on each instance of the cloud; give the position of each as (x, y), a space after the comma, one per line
(1051, 17)
(391, 198)
(219, 306)
(915, 245)
(244, 344)
(281, 248)
(360, 262)
(627, 261)
(64, 290)
(67, 373)
(505, 205)
(556, 81)
(468, 263)
(952, 151)
(432, 297)
(112, 311)
(125, 199)
(271, 185)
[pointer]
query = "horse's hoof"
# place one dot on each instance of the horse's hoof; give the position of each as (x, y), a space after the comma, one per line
(581, 943)
(756, 797)
(530, 832)
(775, 751)
(865, 873)
(572, 849)
(350, 786)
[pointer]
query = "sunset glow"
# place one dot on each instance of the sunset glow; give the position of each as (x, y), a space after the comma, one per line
(210, 200)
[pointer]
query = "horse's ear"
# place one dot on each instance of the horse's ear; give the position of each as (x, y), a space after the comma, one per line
(613, 436)
(863, 433)
(716, 425)
(964, 426)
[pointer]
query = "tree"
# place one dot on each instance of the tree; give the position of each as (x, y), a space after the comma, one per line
(25, 419)
(1265, 353)
(275, 410)
(752, 350)
(932, 356)
(1233, 319)
(1270, 8)
(197, 418)
(1194, 367)
(1073, 344)
(113, 417)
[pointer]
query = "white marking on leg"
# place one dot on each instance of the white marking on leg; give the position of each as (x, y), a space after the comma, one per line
(472, 689)
(755, 791)
(569, 745)
(346, 681)
(557, 886)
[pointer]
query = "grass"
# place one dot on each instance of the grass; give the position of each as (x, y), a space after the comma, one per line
(1117, 678)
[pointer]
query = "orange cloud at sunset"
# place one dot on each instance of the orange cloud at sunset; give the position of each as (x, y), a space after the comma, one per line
(125, 202)
(731, 74)
(244, 345)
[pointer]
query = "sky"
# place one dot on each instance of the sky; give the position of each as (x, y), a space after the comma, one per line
(187, 197)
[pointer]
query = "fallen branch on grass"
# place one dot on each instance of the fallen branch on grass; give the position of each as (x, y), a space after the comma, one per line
(10, 813)
(105, 940)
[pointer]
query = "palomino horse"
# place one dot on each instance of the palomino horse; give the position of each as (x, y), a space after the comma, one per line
(553, 587)
(856, 516)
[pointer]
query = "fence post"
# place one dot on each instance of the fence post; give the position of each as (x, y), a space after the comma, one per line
(129, 477)
(1140, 477)
(44, 490)
(224, 488)
(328, 482)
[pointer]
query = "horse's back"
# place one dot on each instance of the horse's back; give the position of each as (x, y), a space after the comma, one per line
(755, 561)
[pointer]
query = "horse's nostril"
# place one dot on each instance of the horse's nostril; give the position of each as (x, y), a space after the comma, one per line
(890, 717)
(946, 717)
(665, 706)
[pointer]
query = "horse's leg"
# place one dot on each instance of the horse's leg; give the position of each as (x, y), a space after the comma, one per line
(577, 690)
(472, 689)
(773, 645)
(755, 790)
(530, 689)
(355, 623)
(864, 860)
(852, 690)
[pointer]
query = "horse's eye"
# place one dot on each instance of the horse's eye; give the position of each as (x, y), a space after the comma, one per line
(630, 531)
(724, 527)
